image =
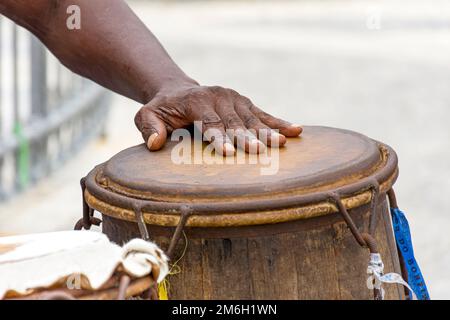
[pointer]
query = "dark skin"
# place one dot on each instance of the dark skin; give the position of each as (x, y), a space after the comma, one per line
(116, 50)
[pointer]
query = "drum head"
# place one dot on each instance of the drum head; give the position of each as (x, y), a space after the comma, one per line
(290, 183)
(322, 158)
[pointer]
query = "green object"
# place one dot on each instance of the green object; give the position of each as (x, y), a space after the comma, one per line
(23, 159)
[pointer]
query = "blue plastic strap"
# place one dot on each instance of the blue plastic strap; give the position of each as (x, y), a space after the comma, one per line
(404, 244)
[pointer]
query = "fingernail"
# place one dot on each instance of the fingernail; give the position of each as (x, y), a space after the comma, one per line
(256, 146)
(277, 139)
(151, 139)
(299, 129)
(275, 134)
(229, 149)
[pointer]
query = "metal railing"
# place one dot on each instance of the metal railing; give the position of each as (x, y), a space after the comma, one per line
(46, 112)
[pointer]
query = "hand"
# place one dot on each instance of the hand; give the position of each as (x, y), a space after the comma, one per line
(218, 109)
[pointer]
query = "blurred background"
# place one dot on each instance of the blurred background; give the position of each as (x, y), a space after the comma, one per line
(378, 67)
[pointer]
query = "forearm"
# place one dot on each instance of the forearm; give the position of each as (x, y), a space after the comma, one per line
(112, 47)
(115, 49)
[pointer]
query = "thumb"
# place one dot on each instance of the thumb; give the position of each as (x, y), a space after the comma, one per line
(152, 128)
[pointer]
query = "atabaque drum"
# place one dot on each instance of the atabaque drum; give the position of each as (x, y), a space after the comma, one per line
(298, 223)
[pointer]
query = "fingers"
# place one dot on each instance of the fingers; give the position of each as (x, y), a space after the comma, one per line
(236, 129)
(224, 114)
(247, 141)
(152, 128)
(285, 128)
(214, 131)
(251, 121)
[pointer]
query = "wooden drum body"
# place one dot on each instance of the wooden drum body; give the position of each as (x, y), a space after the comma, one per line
(244, 235)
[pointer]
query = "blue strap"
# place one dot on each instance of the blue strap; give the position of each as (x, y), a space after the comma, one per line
(404, 244)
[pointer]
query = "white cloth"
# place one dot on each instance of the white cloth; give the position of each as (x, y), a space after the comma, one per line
(41, 260)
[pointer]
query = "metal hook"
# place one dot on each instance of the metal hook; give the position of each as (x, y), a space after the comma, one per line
(375, 186)
(365, 240)
(86, 210)
(186, 212)
(351, 225)
(141, 223)
(392, 198)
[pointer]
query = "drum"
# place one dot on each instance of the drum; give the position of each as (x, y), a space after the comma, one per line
(78, 265)
(302, 231)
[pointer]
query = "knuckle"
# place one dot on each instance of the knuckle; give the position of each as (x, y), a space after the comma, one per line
(266, 117)
(211, 117)
(222, 92)
(201, 97)
(245, 101)
(233, 93)
(138, 117)
(223, 102)
(215, 88)
(232, 120)
(250, 121)
(213, 126)
(254, 110)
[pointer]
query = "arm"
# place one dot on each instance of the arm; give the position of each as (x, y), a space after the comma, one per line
(115, 49)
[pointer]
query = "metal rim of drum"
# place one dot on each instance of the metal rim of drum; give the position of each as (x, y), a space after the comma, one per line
(248, 212)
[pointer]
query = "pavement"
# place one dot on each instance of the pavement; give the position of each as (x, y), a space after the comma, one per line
(377, 67)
